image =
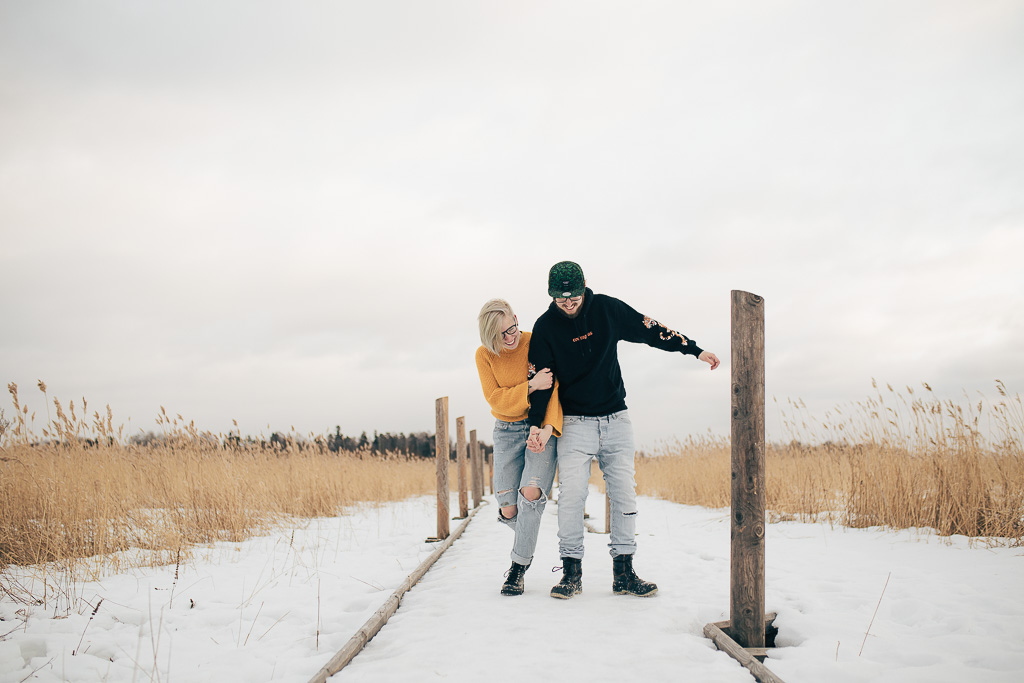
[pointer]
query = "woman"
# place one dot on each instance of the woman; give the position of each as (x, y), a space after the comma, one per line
(521, 478)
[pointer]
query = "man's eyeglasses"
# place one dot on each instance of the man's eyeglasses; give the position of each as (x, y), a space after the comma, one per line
(511, 332)
(562, 300)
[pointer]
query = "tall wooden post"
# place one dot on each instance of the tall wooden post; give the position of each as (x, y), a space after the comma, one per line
(748, 482)
(475, 480)
(441, 453)
(460, 461)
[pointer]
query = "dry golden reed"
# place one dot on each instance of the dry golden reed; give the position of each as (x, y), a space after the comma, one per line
(897, 459)
(81, 492)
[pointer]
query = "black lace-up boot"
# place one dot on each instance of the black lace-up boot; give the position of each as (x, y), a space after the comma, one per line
(572, 579)
(514, 579)
(626, 581)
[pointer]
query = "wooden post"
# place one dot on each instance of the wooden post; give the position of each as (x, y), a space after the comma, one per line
(607, 511)
(475, 480)
(460, 461)
(490, 471)
(441, 452)
(748, 483)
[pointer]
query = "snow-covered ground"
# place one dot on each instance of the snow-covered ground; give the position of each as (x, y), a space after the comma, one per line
(251, 611)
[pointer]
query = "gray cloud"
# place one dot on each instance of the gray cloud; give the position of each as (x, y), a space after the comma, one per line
(290, 215)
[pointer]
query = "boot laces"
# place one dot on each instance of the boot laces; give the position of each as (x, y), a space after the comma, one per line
(521, 571)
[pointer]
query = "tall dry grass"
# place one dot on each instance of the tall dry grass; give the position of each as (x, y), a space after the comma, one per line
(83, 500)
(78, 498)
(897, 459)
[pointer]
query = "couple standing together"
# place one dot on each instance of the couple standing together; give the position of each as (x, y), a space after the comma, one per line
(563, 384)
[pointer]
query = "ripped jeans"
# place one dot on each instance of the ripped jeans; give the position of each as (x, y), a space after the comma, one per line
(608, 438)
(514, 468)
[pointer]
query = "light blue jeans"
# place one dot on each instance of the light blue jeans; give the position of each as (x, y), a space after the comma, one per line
(514, 468)
(609, 439)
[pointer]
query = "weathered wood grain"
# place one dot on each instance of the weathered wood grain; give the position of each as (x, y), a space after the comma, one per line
(441, 454)
(718, 632)
(460, 464)
(476, 480)
(748, 482)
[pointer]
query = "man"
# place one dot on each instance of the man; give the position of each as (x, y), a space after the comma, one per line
(577, 338)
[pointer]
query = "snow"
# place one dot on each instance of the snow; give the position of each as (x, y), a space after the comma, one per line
(950, 611)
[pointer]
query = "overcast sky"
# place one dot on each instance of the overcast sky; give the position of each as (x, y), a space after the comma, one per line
(290, 213)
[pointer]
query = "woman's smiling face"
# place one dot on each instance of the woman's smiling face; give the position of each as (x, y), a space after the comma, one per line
(511, 333)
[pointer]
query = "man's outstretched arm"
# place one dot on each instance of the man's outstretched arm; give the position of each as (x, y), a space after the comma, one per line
(643, 329)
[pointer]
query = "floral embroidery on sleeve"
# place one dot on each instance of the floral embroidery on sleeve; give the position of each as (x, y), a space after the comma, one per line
(668, 334)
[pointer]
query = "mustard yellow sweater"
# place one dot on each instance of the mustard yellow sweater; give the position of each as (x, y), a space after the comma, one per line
(505, 383)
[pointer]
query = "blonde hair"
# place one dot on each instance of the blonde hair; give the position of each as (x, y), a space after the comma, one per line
(491, 318)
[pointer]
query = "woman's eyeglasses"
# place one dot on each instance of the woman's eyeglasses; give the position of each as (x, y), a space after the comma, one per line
(511, 332)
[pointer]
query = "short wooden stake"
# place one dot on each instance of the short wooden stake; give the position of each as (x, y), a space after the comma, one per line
(460, 460)
(490, 471)
(475, 478)
(607, 512)
(441, 452)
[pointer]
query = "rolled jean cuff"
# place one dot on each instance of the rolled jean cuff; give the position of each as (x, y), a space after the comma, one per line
(519, 559)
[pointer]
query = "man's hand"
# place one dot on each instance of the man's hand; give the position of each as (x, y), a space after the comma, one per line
(709, 358)
(542, 380)
(538, 440)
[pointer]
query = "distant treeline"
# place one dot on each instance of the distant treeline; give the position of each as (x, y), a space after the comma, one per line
(417, 444)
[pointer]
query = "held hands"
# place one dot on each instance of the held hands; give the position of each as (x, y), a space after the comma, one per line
(709, 358)
(538, 440)
(542, 380)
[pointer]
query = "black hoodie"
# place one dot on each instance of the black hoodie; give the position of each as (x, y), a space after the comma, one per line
(582, 353)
